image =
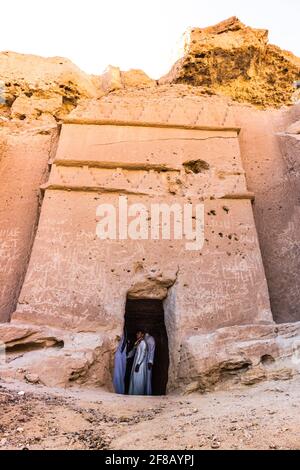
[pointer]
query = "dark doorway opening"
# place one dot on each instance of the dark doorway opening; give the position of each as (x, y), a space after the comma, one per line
(148, 314)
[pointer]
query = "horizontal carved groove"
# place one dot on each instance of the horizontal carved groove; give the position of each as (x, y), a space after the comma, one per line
(115, 165)
(111, 122)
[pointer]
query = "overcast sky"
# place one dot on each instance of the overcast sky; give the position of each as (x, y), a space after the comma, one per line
(132, 33)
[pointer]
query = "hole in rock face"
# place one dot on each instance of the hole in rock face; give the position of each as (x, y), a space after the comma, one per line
(148, 314)
(267, 359)
(32, 346)
(196, 166)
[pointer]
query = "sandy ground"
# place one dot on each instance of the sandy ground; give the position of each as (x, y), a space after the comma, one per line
(265, 416)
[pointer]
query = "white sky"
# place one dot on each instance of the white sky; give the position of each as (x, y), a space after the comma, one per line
(132, 33)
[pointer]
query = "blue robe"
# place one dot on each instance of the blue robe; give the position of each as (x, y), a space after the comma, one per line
(120, 367)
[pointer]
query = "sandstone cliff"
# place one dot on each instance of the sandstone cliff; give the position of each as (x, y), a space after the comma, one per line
(229, 60)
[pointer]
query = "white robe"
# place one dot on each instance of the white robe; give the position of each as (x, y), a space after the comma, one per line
(150, 359)
(138, 380)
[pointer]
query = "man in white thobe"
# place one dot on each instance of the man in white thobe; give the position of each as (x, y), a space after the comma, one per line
(150, 341)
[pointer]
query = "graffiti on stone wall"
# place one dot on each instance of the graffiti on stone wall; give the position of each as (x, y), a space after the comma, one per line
(10, 252)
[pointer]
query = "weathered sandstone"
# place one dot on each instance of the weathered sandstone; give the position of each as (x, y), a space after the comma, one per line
(70, 141)
(237, 61)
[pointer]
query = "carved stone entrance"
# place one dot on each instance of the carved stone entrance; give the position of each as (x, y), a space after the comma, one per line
(148, 314)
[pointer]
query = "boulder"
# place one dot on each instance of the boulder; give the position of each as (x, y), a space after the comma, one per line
(25, 107)
(235, 60)
(39, 79)
(111, 79)
(137, 78)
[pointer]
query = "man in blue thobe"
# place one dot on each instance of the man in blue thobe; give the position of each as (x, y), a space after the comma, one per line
(120, 366)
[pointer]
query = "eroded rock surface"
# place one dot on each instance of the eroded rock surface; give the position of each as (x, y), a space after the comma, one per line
(235, 60)
(180, 139)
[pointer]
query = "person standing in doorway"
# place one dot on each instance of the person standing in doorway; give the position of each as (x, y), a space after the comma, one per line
(150, 341)
(120, 365)
(138, 378)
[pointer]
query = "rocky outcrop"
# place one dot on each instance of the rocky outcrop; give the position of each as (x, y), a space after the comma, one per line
(33, 86)
(114, 79)
(54, 357)
(39, 88)
(237, 61)
(242, 354)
